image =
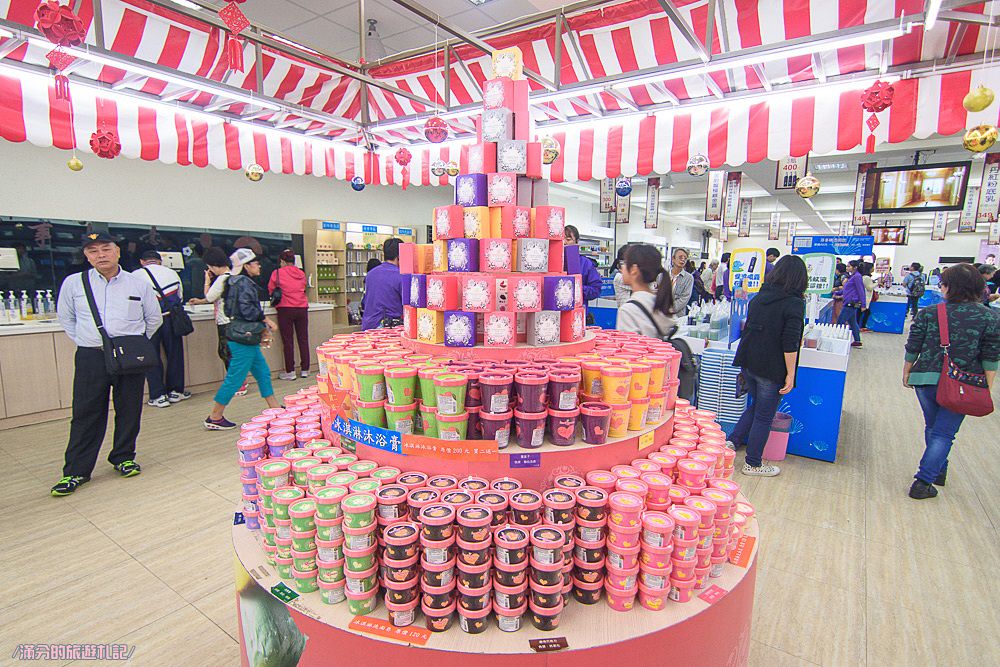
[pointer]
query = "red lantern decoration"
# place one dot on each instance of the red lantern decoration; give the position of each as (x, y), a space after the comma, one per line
(403, 157)
(875, 99)
(436, 130)
(105, 144)
(63, 28)
(237, 22)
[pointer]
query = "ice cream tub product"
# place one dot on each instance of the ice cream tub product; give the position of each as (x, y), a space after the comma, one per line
(401, 418)
(564, 387)
(371, 412)
(510, 597)
(301, 467)
(639, 386)
(303, 515)
(496, 502)
(366, 485)
(632, 485)
(686, 550)
(304, 561)
(303, 540)
(590, 531)
(708, 459)
(546, 544)
(318, 475)
(625, 509)
(359, 510)
(615, 383)
(587, 593)
(686, 521)
(425, 378)
(705, 536)
(681, 590)
(511, 545)
(509, 620)
(623, 558)
(401, 385)
(655, 578)
(496, 389)
(637, 414)
(509, 575)
(342, 461)
(250, 448)
(683, 570)
(474, 523)
(559, 506)
(283, 498)
(703, 555)
(475, 598)
(392, 502)
(443, 483)
(401, 592)
(623, 537)
(305, 581)
(438, 620)
(657, 529)
(589, 572)
(419, 498)
(531, 388)
(437, 574)
(623, 471)
(450, 391)
(437, 522)
(570, 482)
(473, 553)
(592, 501)
(652, 598)
(361, 603)
(526, 507)
(705, 508)
(437, 551)
(717, 567)
(495, 426)
(678, 494)
(279, 444)
(452, 427)
(472, 621)
(505, 485)
(618, 424)
(329, 550)
(562, 426)
(362, 582)
(330, 529)
(545, 619)
(412, 480)
(438, 597)
(530, 428)
(332, 592)
(546, 574)
(474, 576)
(620, 599)
(723, 501)
(589, 552)
(358, 538)
(402, 615)
(544, 596)
(386, 475)
(273, 474)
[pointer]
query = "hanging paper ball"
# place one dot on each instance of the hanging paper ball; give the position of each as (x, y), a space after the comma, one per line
(436, 130)
(254, 172)
(59, 24)
(978, 99)
(623, 187)
(403, 156)
(698, 165)
(877, 97)
(74, 164)
(979, 139)
(550, 150)
(452, 168)
(438, 167)
(105, 144)
(807, 186)
(358, 183)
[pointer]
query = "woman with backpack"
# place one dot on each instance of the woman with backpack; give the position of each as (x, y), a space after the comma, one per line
(650, 310)
(768, 355)
(973, 337)
(246, 330)
(915, 283)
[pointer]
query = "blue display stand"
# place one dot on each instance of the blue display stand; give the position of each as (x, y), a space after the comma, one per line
(887, 316)
(606, 318)
(930, 297)
(815, 405)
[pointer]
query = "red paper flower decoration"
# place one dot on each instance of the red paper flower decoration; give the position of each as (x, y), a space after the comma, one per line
(878, 97)
(436, 130)
(403, 157)
(105, 144)
(59, 24)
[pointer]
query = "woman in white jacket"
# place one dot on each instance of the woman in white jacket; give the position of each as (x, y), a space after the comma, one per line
(650, 311)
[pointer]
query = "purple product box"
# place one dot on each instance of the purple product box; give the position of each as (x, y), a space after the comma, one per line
(512, 156)
(417, 293)
(571, 259)
(543, 327)
(463, 255)
(404, 287)
(471, 190)
(459, 328)
(558, 293)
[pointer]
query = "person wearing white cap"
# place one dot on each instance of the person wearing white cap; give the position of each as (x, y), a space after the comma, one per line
(247, 328)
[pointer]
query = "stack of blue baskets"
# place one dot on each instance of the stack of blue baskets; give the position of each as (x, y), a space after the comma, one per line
(717, 387)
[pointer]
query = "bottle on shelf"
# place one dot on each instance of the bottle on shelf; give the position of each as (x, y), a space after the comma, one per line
(13, 308)
(24, 305)
(50, 304)
(39, 304)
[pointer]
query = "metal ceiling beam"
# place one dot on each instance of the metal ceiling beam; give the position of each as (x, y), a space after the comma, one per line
(557, 62)
(128, 80)
(956, 43)
(10, 46)
(762, 75)
(622, 100)
(675, 17)
(968, 18)
(98, 23)
(817, 67)
(713, 87)
(710, 27)
(469, 38)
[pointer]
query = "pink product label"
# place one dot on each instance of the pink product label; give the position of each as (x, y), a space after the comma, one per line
(390, 511)
(567, 399)
(538, 436)
(679, 531)
(545, 556)
(653, 539)
(436, 556)
(596, 387)
(404, 426)
(403, 618)
(499, 403)
(706, 541)
(509, 623)
(654, 581)
(589, 534)
(358, 542)
(503, 437)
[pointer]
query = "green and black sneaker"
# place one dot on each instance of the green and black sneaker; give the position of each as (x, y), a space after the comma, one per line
(128, 468)
(67, 485)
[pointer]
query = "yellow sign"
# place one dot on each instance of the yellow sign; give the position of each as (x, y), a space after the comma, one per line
(645, 440)
(746, 269)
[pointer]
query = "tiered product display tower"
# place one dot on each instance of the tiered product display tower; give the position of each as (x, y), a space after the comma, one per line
(494, 467)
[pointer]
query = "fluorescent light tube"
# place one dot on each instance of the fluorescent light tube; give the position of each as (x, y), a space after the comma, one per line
(930, 19)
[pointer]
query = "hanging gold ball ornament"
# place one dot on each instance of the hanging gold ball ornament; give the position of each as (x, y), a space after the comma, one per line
(452, 168)
(550, 150)
(254, 172)
(978, 99)
(75, 164)
(807, 186)
(980, 138)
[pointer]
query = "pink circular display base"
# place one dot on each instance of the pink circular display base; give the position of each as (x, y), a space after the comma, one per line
(522, 351)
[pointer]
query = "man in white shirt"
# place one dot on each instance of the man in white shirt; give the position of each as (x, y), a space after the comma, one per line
(128, 307)
(166, 283)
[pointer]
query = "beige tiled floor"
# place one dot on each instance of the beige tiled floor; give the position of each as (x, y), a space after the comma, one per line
(851, 571)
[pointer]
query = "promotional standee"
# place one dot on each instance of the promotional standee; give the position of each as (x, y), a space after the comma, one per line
(746, 270)
(493, 467)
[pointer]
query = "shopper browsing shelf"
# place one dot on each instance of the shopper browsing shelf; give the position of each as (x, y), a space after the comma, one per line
(708, 278)
(853, 296)
(988, 271)
(720, 283)
(383, 301)
(288, 282)
(682, 281)
(650, 311)
(622, 291)
(865, 269)
(915, 284)
(974, 347)
(588, 270)
(247, 329)
(166, 385)
(768, 356)
(126, 306)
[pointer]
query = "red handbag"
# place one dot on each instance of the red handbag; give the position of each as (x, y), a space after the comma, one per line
(960, 391)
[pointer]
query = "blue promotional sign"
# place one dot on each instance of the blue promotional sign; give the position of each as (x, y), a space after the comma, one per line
(335, 226)
(404, 231)
(525, 460)
(369, 229)
(738, 313)
(841, 246)
(607, 287)
(373, 436)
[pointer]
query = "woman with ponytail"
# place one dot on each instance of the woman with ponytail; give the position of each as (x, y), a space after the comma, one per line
(650, 311)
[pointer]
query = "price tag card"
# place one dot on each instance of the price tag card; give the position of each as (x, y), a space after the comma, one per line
(713, 594)
(548, 644)
(283, 593)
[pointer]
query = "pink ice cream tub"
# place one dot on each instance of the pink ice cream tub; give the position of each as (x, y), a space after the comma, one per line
(686, 522)
(703, 557)
(624, 537)
(645, 465)
(657, 529)
(250, 449)
(634, 486)
(625, 472)
(701, 577)
(722, 500)
(691, 474)
(746, 509)
(592, 553)
(705, 537)
(709, 460)
(625, 509)
(620, 599)
(497, 503)
(685, 550)
(305, 436)
(681, 590)
(683, 570)
(623, 579)
(652, 599)
(250, 483)
(666, 462)
(622, 558)
(718, 566)
(589, 572)
(602, 479)
(705, 508)
(729, 486)
(655, 578)
(412, 480)
(281, 430)
(505, 485)
(658, 485)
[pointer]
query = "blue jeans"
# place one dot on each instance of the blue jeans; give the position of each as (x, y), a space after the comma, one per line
(940, 427)
(245, 359)
(754, 425)
(849, 316)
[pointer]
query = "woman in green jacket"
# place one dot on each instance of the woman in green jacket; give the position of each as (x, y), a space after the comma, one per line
(974, 337)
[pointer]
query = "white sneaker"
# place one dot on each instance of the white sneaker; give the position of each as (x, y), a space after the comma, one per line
(161, 402)
(242, 391)
(763, 470)
(305, 374)
(178, 396)
(286, 376)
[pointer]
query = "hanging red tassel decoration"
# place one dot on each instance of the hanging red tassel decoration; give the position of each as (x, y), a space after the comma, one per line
(237, 22)
(63, 28)
(60, 60)
(403, 157)
(875, 99)
(105, 144)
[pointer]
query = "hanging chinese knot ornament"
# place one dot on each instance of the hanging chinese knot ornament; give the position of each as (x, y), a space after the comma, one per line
(237, 22)
(63, 28)
(436, 130)
(403, 157)
(105, 144)
(875, 99)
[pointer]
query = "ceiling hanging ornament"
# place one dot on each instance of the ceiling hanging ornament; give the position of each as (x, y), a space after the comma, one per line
(237, 22)
(358, 183)
(698, 165)
(623, 187)
(807, 186)
(451, 168)
(75, 164)
(63, 28)
(403, 157)
(875, 99)
(435, 130)
(978, 99)
(979, 139)
(254, 172)
(439, 168)
(105, 144)
(550, 150)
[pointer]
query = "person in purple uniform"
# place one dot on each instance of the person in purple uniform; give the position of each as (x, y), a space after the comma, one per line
(853, 293)
(383, 300)
(591, 278)
(772, 256)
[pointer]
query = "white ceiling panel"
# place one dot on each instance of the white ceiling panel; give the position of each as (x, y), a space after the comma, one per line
(279, 15)
(318, 6)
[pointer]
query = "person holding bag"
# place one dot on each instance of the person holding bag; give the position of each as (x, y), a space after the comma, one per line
(110, 314)
(287, 288)
(246, 330)
(951, 361)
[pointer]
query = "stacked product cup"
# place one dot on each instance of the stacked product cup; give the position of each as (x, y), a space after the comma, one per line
(401, 571)
(545, 577)
(590, 540)
(510, 585)
(475, 560)
(360, 566)
(438, 584)
(559, 512)
(624, 527)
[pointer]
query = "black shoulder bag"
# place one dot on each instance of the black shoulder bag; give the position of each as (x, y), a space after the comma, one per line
(276, 294)
(178, 316)
(239, 330)
(688, 374)
(123, 355)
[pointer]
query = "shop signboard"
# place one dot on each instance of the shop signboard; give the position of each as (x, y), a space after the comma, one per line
(731, 205)
(859, 219)
(989, 191)
(652, 202)
(882, 265)
(622, 207)
(737, 315)
(841, 246)
(791, 232)
(790, 170)
(713, 197)
(940, 226)
(993, 237)
(743, 216)
(967, 219)
(821, 267)
(746, 270)
(774, 229)
(607, 195)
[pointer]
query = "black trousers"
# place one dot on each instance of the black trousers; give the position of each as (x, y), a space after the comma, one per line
(224, 352)
(299, 319)
(173, 349)
(91, 384)
(912, 305)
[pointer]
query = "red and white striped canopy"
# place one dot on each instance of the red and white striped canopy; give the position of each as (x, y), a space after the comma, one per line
(619, 38)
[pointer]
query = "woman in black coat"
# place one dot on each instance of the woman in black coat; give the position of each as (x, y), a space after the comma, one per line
(768, 356)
